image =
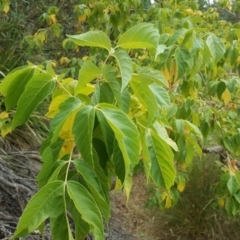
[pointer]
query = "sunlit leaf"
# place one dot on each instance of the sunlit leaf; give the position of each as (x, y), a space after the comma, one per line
(125, 65)
(216, 47)
(143, 35)
(88, 72)
(87, 207)
(162, 165)
(14, 84)
(36, 90)
(226, 96)
(92, 39)
(48, 202)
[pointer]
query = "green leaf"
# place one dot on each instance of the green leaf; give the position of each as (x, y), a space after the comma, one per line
(80, 226)
(162, 169)
(106, 94)
(118, 161)
(230, 207)
(145, 96)
(161, 95)
(183, 60)
(99, 170)
(221, 87)
(47, 202)
(125, 64)
(92, 39)
(87, 207)
(143, 35)
(37, 89)
(63, 232)
(94, 186)
(232, 185)
(162, 132)
(216, 47)
(122, 98)
(179, 33)
(193, 128)
(13, 85)
(108, 133)
(96, 95)
(152, 75)
(49, 158)
(88, 72)
(125, 132)
(83, 130)
(160, 49)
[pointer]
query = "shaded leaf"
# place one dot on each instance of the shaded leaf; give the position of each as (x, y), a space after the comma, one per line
(118, 161)
(232, 185)
(83, 130)
(125, 132)
(94, 186)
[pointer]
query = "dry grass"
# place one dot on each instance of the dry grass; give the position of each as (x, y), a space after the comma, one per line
(195, 217)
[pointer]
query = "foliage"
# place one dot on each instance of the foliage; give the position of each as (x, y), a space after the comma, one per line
(152, 85)
(197, 215)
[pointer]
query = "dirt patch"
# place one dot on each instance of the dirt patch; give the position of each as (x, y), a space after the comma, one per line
(133, 216)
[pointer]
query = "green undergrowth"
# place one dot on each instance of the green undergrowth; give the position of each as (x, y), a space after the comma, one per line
(198, 215)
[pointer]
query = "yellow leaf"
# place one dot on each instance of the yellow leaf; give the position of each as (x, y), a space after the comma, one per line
(88, 89)
(168, 203)
(181, 185)
(118, 184)
(106, 10)
(66, 131)
(67, 135)
(54, 105)
(3, 115)
(82, 18)
(189, 11)
(238, 60)
(226, 97)
(53, 18)
(166, 74)
(127, 185)
(5, 129)
(6, 6)
(221, 202)
(53, 64)
(66, 148)
(85, 58)
(64, 60)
